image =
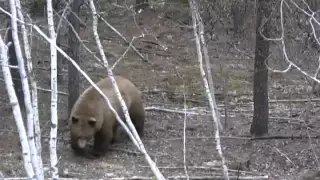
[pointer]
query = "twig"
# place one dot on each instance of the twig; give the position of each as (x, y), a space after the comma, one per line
(225, 95)
(284, 137)
(49, 90)
(124, 39)
(282, 154)
(184, 127)
(294, 100)
(126, 151)
(221, 177)
(203, 113)
(122, 56)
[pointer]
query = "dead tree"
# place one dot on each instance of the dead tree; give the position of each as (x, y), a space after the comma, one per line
(73, 74)
(62, 31)
(259, 124)
(15, 71)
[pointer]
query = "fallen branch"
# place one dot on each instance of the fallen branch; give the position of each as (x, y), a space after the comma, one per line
(189, 111)
(204, 168)
(196, 177)
(49, 90)
(201, 137)
(284, 137)
(126, 151)
(238, 137)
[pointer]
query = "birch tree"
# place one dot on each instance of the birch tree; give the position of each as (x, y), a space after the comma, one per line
(34, 93)
(197, 34)
(54, 94)
(15, 71)
(16, 110)
(26, 89)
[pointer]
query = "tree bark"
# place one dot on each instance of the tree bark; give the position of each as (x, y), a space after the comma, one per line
(15, 72)
(61, 30)
(73, 74)
(259, 124)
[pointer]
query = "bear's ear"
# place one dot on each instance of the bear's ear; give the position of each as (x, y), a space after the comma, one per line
(92, 122)
(74, 120)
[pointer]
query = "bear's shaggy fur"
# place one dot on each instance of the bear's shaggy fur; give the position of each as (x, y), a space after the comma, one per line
(91, 118)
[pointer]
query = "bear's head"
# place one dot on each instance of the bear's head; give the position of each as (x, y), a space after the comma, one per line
(83, 128)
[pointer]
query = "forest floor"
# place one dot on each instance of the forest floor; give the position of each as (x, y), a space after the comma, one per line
(170, 75)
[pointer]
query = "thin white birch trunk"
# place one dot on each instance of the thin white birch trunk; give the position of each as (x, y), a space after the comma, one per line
(208, 66)
(54, 95)
(193, 10)
(135, 136)
(16, 110)
(34, 93)
(26, 90)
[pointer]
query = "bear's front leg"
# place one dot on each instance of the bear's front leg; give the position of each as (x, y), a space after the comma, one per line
(102, 140)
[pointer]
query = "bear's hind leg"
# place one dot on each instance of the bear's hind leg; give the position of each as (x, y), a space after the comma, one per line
(137, 116)
(115, 129)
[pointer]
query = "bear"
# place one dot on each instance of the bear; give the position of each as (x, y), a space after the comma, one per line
(91, 117)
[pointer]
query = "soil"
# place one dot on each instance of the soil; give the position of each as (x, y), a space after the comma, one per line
(172, 74)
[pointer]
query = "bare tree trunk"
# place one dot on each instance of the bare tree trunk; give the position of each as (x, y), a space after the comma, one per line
(259, 124)
(238, 11)
(73, 74)
(14, 71)
(61, 30)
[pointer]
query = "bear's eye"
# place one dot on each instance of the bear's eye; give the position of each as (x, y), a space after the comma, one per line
(74, 120)
(92, 123)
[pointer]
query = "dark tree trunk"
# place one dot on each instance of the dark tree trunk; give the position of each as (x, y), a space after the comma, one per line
(73, 74)
(15, 72)
(141, 5)
(259, 124)
(238, 9)
(61, 30)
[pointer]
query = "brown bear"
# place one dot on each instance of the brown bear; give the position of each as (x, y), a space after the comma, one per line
(91, 117)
